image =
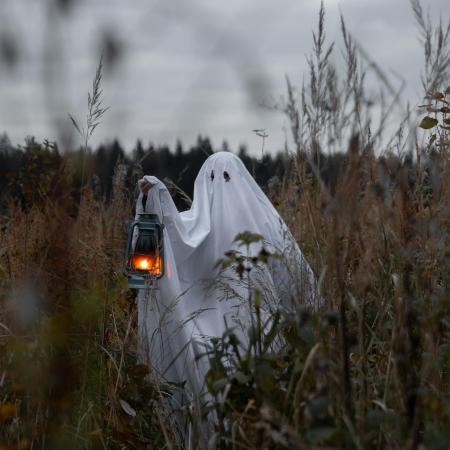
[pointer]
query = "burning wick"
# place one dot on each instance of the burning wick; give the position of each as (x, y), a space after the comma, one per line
(147, 264)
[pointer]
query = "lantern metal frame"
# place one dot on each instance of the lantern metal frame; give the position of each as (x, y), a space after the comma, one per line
(146, 222)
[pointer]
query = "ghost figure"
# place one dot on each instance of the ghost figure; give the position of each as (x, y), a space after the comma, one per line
(196, 299)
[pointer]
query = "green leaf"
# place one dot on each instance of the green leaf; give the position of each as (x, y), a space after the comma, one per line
(219, 384)
(375, 418)
(247, 238)
(258, 299)
(306, 333)
(241, 377)
(319, 406)
(270, 336)
(428, 122)
(320, 434)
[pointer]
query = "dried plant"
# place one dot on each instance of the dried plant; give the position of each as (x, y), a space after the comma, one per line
(436, 44)
(95, 111)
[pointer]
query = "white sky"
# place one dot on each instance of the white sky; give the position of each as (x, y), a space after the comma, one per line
(186, 65)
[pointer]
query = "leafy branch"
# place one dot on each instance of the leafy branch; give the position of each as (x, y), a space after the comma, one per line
(440, 108)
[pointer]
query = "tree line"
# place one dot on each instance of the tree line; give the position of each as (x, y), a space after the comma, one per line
(27, 171)
(35, 169)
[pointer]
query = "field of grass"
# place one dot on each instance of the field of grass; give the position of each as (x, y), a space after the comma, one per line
(370, 370)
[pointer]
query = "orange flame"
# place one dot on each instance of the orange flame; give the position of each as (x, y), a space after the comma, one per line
(147, 263)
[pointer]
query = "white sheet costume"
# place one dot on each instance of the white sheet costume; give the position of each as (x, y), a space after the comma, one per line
(193, 299)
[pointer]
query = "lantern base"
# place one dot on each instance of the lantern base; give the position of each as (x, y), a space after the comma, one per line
(139, 282)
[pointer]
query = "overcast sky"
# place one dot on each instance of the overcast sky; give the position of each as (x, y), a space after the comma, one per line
(183, 68)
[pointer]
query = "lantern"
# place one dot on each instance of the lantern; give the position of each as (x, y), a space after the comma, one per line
(144, 261)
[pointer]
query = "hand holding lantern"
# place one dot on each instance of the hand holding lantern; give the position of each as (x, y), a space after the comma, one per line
(144, 262)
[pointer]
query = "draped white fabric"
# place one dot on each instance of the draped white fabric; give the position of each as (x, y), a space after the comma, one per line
(195, 300)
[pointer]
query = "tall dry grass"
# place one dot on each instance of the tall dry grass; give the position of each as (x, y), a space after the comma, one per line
(370, 370)
(67, 320)
(68, 346)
